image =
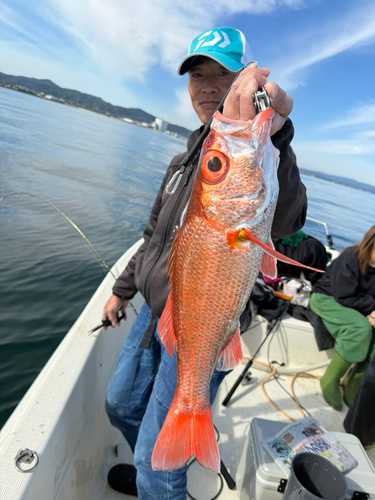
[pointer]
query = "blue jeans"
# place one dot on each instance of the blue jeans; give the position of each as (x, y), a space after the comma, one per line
(138, 401)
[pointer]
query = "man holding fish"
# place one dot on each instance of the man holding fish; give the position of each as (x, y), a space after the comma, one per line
(204, 244)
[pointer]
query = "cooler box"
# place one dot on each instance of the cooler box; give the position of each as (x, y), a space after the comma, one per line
(260, 478)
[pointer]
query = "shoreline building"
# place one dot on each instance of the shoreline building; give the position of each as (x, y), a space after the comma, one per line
(160, 125)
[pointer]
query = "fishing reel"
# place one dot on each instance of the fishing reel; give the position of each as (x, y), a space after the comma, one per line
(261, 98)
(261, 101)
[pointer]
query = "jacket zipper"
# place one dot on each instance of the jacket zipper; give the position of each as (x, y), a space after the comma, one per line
(168, 227)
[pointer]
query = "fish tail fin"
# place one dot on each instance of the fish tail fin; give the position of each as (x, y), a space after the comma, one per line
(183, 435)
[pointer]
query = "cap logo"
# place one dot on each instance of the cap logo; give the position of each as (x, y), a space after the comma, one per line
(217, 38)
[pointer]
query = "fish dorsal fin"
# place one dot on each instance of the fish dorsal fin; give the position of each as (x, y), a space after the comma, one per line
(231, 355)
(165, 328)
(269, 263)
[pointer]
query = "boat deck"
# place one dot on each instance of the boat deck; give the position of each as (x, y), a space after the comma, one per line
(233, 423)
(62, 416)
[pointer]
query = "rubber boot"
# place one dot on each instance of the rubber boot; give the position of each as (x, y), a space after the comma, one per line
(353, 380)
(330, 382)
(122, 478)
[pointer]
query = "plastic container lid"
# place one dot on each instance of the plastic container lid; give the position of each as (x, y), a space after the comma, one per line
(361, 479)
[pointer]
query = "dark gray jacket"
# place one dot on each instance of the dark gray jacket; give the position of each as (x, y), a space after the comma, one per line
(146, 271)
(344, 282)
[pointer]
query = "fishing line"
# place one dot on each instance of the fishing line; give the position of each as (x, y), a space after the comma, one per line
(60, 212)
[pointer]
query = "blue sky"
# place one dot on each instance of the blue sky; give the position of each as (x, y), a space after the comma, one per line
(322, 52)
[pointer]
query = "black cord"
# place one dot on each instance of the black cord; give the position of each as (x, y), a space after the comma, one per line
(219, 474)
(220, 489)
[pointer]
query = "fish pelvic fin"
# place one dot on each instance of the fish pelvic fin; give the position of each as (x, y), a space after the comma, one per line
(238, 239)
(165, 328)
(231, 355)
(268, 266)
(185, 434)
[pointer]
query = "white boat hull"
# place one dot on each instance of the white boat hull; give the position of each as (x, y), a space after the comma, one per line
(63, 411)
(62, 416)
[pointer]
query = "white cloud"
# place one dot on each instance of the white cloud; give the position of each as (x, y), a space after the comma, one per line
(129, 37)
(9, 18)
(336, 158)
(332, 37)
(184, 112)
(354, 146)
(356, 116)
(36, 66)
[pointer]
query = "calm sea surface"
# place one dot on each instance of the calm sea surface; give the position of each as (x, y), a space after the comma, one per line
(104, 175)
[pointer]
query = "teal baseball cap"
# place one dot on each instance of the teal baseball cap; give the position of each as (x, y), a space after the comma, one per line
(227, 46)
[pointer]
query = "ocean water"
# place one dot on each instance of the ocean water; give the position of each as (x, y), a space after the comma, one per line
(104, 175)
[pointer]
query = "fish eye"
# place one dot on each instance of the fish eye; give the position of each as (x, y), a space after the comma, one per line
(214, 164)
(214, 167)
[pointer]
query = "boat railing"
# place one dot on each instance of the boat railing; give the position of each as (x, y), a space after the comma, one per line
(329, 237)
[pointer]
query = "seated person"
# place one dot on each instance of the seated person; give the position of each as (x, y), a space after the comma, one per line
(304, 249)
(344, 298)
(360, 417)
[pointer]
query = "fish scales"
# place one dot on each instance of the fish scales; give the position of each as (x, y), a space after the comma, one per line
(213, 267)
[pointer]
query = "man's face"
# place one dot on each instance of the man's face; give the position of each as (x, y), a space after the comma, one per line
(207, 85)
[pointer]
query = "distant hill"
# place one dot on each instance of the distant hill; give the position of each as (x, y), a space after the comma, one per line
(49, 90)
(339, 180)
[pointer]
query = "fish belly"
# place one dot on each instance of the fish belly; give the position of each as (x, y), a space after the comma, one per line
(210, 285)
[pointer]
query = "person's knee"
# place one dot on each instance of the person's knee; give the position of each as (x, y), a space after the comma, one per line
(111, 404)
(357, 349)
(367, 332)
(118, 401)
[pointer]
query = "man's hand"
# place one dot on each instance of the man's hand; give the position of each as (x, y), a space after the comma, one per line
(239, 104)
(113, 306)
(282, 103)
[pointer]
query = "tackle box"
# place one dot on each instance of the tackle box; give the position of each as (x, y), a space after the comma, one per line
(260, 478)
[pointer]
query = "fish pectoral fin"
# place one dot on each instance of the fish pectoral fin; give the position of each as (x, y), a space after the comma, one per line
(268, 266)
(231, 355)
(185, 434)
(238, 240)
(268, 249)
(165, 328)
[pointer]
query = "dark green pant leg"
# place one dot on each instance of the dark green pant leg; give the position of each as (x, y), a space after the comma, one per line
(351, 330)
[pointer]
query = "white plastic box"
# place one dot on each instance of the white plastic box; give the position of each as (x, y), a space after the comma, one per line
(262, 479)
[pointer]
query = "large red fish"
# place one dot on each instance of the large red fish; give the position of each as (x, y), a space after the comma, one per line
(215, 260)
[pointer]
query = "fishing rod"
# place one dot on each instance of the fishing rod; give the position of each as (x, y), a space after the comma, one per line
(261, 102)
(270, 328)
(60, 212)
